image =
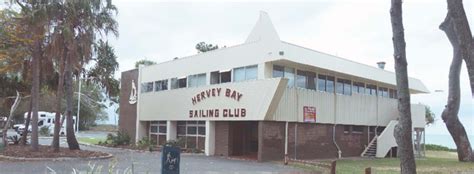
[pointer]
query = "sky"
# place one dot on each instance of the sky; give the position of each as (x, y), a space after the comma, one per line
(356, 30)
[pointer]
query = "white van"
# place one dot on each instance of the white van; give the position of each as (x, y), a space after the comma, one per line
(46, 119)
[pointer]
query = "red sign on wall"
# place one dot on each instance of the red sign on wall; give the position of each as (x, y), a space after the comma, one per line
(309, 114)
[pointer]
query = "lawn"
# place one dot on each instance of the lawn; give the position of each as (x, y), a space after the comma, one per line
(90, 140)
(435, 162)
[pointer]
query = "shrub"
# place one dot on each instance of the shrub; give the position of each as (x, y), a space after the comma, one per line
(146, 143)
(121, 138)
(438, 148)
(175, 143)
(15, 139)
(44, 131)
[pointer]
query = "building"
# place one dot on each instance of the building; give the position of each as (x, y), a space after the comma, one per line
(265, 98)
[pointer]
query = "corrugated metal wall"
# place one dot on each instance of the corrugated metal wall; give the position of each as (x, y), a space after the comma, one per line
(356, 109)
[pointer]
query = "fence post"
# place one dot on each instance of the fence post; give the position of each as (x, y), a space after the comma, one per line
(333, 167)
(368, 170)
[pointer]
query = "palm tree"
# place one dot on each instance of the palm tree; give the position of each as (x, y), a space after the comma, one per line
(78, 24)
(34, 17)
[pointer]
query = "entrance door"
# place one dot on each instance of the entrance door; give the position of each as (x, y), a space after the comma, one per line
(244, 139)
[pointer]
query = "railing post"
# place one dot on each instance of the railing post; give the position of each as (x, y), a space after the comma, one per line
(333, 167)
(368, 170)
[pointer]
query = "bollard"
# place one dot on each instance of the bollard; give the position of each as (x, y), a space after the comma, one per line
(368, 170)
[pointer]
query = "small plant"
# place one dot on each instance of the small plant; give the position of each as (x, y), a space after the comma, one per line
(121, 138)
(15, 139)
(146, 143)
(175, 143)
(44, 131)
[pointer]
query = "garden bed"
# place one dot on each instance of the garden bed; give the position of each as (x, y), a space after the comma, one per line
(26, 152)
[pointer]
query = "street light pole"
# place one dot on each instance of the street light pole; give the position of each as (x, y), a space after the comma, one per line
(78, 105)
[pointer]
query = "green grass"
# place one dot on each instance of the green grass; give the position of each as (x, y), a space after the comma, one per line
(435, 162)
(90, 140)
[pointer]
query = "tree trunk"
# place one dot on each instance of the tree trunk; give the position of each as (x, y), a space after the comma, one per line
(71, 138)
(59, 95)
(24, 136)
(35, 94)
(461, 34)
(403, 130)
(455, 26)
(7, 124)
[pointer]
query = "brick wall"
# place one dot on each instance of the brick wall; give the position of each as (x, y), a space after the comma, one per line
(313, 141)
(128, 112)
(271, 143)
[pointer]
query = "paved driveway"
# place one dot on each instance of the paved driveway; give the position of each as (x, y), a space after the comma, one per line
(144, 162)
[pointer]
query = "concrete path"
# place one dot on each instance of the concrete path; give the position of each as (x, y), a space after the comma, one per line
(143, 162)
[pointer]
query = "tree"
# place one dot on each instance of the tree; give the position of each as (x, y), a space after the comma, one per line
(144, 62)
(429, 116)
(202, 47)
(103, 71)
(403, 130)
(456, 28)
(81, 21)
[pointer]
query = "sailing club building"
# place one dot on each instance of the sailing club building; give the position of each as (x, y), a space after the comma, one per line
(267, 98)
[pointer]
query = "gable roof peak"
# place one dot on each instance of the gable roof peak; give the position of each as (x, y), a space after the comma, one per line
(263, 30)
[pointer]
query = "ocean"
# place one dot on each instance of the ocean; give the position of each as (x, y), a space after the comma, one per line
(444, 140)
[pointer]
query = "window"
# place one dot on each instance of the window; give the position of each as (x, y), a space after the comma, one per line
(147, 87)
(286, 72)
(245, 73)
(182, 83)
(161, 85)
(178, 83)
(191, 128)
(343, 86)
(40, 123)
(218, 77)
(290, 75)
(305, 79)
(357, 129)
(393, 93)
(371, 89)
(278, 71)
(197, 80)
(326, 83)
(158, 127)
(358, 87)
(383, 92)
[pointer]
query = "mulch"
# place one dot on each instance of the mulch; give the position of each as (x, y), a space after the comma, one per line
(48, 152)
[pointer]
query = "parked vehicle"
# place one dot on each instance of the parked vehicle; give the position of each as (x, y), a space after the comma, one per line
(46, 119)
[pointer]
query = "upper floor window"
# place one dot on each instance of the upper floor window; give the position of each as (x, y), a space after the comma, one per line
(371, 89)
(326, 83)
(161, 85)
(393, 93)
(343, 86)
(197, 80)
(286, 72)
(147, 87)
(305, 79)
(245, 73)
(358, 87)
(383, 92)
(218, 77)
(178, 82)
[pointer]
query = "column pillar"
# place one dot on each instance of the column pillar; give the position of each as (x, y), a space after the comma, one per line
(171, 130)
(210, 141)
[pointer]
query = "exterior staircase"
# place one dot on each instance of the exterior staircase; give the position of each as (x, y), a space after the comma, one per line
(371, 149)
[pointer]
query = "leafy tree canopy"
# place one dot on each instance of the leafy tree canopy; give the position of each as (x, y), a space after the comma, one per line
(144, 62)
(202, 47)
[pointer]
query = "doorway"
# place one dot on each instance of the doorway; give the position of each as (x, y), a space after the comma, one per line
(244, 139)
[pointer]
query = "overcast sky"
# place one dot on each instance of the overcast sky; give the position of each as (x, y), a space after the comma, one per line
(356, 30)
